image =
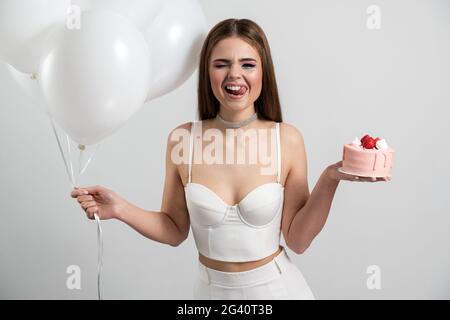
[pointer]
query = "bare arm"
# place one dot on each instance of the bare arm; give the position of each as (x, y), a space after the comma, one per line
(171, 224)
(296, 193)
(311, 218)
(305, 214)
(155, 225)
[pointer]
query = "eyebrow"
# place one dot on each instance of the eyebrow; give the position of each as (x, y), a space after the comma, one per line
(241, 60)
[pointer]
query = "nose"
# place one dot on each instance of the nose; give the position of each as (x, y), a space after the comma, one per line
(235, 72)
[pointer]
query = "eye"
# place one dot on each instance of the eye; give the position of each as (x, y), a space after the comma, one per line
(245, 65)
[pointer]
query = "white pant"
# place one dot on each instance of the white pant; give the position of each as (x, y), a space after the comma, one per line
(278, 279)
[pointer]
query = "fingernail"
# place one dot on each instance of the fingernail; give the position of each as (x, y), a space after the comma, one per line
(85, 192)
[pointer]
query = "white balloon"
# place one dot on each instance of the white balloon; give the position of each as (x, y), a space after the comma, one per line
(24, 24)
(29, 84)
(175, 38)
(141, 12)
(95, 78)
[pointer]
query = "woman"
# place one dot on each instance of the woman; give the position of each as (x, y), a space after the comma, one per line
(238, 209)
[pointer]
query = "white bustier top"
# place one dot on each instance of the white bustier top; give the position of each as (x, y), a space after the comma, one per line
(247, 231)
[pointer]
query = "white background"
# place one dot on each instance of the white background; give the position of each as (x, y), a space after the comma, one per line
(337, 79)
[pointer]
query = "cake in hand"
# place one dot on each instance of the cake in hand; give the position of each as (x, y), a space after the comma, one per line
(367, 157)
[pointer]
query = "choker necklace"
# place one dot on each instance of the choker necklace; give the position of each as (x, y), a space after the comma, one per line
(237, 124)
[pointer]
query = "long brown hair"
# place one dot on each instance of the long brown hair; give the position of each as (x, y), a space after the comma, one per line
(267, 106)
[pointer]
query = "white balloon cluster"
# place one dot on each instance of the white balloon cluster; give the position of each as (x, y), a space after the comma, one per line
(94, 63)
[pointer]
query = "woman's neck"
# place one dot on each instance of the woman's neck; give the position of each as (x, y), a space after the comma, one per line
(236, 116)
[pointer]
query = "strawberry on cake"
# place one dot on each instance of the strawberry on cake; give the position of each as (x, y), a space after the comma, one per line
(367, 157)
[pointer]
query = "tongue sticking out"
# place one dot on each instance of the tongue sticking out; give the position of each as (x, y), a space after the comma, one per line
(239, 92)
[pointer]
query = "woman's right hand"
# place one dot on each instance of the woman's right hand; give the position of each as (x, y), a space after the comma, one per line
(97, 199)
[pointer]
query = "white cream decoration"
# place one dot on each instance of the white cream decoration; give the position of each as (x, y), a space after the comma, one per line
(356, 142)
(381, 144)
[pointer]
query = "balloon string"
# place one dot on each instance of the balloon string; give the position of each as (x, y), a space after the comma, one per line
(62, 153)
(100, 258)
(99, 230)
(69, 156)
(89, 160)
(97, 219)
(80, 161)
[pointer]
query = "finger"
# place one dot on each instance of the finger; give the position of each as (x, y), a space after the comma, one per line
(78, 192)
(91, 210)
(368, 179)
(93, 189)
(84, 198)
(88, 204)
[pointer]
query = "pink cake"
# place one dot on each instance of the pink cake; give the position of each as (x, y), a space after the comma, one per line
(367, 157)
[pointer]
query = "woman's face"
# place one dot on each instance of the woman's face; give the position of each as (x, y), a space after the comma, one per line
(236, 74)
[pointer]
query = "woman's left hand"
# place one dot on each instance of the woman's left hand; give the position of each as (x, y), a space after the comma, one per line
(333, 173)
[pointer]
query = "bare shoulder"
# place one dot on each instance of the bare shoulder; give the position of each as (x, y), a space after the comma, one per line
(292, 146)
(185, 126)
(177, 133)
(291, 136)
(176, 149)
